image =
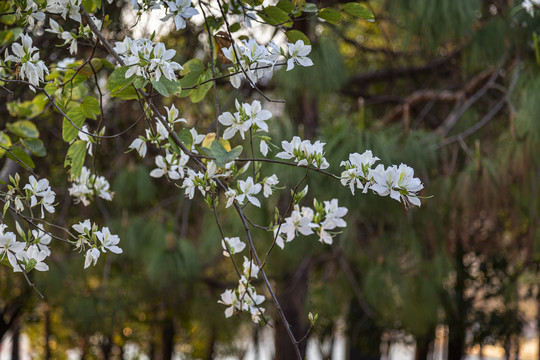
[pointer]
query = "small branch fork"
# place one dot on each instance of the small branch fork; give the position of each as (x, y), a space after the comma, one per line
(147, 98)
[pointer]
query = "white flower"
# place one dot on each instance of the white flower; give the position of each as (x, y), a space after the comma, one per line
(83, 135)
(250, 268)
(42, 239)
(229, 298)
(65, 8)
(41, 189)
(88, 185)
(139, 144)
(167, 166)
(298, 54)
(230, 194)
(358, 168)
(234, 123)
(304, 152)
(10, 246)
(31, 259)
(32, 68)
(529, 5)
(91, 257)
(234, 245)
(263, 147)
(299, 222)
(108, 241)
(247, 190)
(172, 115)
(268, 184)
(181, 9)
(83, 227)
(398, 182)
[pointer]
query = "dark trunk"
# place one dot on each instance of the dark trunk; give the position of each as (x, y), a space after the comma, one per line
(15, 346)
(292, 300)
(106, 347)
(168, 339)
(47, 330)
(457, 323)
(211, 344)
(422, 348)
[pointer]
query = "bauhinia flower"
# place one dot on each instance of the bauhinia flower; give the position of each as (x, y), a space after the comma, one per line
(32, 68)
(398, 182)
(31, 258)
(358, 168)
(247, 190)
(181, 10)
(304, 152)
(298, 54)
(268, 185)
(232, 245)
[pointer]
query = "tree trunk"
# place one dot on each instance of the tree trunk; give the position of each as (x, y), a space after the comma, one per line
(457, 321)
(168, 339)
(47, 330)
(292, 301)
(15, 346)
(422, 348)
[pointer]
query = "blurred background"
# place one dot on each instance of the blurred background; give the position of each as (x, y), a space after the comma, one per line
(449, 87)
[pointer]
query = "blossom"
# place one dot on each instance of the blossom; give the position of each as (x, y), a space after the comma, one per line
(41, 189)
(169, 166)
(235, 123)
(91, 257)
(358, 168)
(147, 59)
(108, 241)
(10, 246)
(68, 37)
(304, 152)
(229, 298)
(172, 115)
(83, 227)
(299, 222)
(398, 182)
(42, 239)
(30, 259)
(65, 8)
(232, 245)
(139, 144)
(250, 268)
(181, 9)
(32, 68)
(87, 185)
(298, 54)
(83, 135)
(247, 189)
(268, 184)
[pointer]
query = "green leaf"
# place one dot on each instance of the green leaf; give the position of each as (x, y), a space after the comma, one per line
(191, 73)
(73, 78)
(274, 16)
(75, 157)
(35, 146)
(295, 35)
(330, 15)
(90, 107)
(9, 36)
(160, 88)
(285, 5)
(185, 137)
(69, 132)
(223, 156)
(173, 87)
(359, 11)
(311, 8)
(127, 93)
(23, 129)
(117, 80)
(5, 142)
(20, 156)
(200, 92)
(234, 27)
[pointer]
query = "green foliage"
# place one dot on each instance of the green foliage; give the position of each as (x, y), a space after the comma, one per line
(75, 157)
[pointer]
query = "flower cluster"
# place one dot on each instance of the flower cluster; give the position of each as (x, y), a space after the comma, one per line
(70, 38)
(88, 185)
(530, 6)
(257, 61)
(66, 8)
(34, 193)
(244, 297)
(247, 189)
(96, 240)
(28, 254)
(246, 116)
(147, 59)
(32, 68)
(397, 181)
(304, 152)
(181, 10)
(323, 218)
